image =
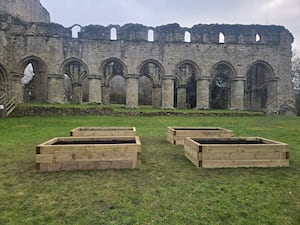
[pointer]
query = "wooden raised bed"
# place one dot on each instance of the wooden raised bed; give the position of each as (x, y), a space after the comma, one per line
(87, 153)
(176, 135)
(103, 131)
(236, 152)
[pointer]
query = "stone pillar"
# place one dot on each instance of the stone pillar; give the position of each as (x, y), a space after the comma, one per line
(56, 89)
(15, 87)
(95, 95)
(203, 92)
(105, 94)
(132, 91)
(272, 95)
(168, 92)
(156, 96)
(237, 93)
(181, 97)
(77, 93)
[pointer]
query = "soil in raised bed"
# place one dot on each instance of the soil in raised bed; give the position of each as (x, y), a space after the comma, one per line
(94, 142)
(223, 142)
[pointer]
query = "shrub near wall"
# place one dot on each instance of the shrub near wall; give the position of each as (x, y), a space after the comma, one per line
(98, 110)
(62, 111)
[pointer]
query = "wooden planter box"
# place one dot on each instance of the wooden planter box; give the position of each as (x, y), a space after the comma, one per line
(103, 131)
(236, 152)
(87, 153)
(176, 135)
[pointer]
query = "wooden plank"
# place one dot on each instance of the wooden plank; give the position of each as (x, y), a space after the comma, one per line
(245, 148)
(43, 158)
(123, 164)
(93, 156)
(244, 163)
(191, 151)
(103, 131)
(171, 135)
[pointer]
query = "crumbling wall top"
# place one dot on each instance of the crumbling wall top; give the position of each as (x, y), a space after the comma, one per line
(201, 33)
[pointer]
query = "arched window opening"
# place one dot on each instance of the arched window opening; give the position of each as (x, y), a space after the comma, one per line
(113, 68)
(150, 76)
(34, 82)
(187, 37)
(150, 35)
(257, 38)
(3, 82)
(221, 38)
(75, 30)
(145, 91)
(151, 70)
(221, 87)
(77, 71)
(186, 90)
(113, 34)
(257, 88)
(117, 90)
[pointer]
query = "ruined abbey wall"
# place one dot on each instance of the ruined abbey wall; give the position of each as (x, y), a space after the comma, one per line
(206, 66)
(26, 10)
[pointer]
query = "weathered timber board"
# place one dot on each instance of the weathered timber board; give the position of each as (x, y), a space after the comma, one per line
(176, 135)
(103, 131)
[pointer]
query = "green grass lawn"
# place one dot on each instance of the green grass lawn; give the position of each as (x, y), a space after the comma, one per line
(168, 189)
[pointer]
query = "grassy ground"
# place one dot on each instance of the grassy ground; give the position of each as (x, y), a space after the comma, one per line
(168, 189)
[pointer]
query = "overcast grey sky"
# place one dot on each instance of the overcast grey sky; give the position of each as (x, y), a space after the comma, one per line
(185, 12)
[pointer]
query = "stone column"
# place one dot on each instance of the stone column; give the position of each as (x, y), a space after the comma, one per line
(95, 95)
(55, 88)
(77, 93)
(181, 97)
(203, 92)
(156, 96)
(105, 94)
(132, 91)
(168, 92)
(272, 95)
(15, 88)
(237, 93)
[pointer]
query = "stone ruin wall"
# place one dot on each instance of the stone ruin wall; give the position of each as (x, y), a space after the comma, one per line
(95, 56)
(26, 10)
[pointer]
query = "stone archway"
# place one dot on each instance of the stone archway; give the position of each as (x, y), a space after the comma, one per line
(220, 88)
(3, 81)
(75, 72)
(114, 73)
(260, 87)
(35, 82)
(186, 85)
(150, 76)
